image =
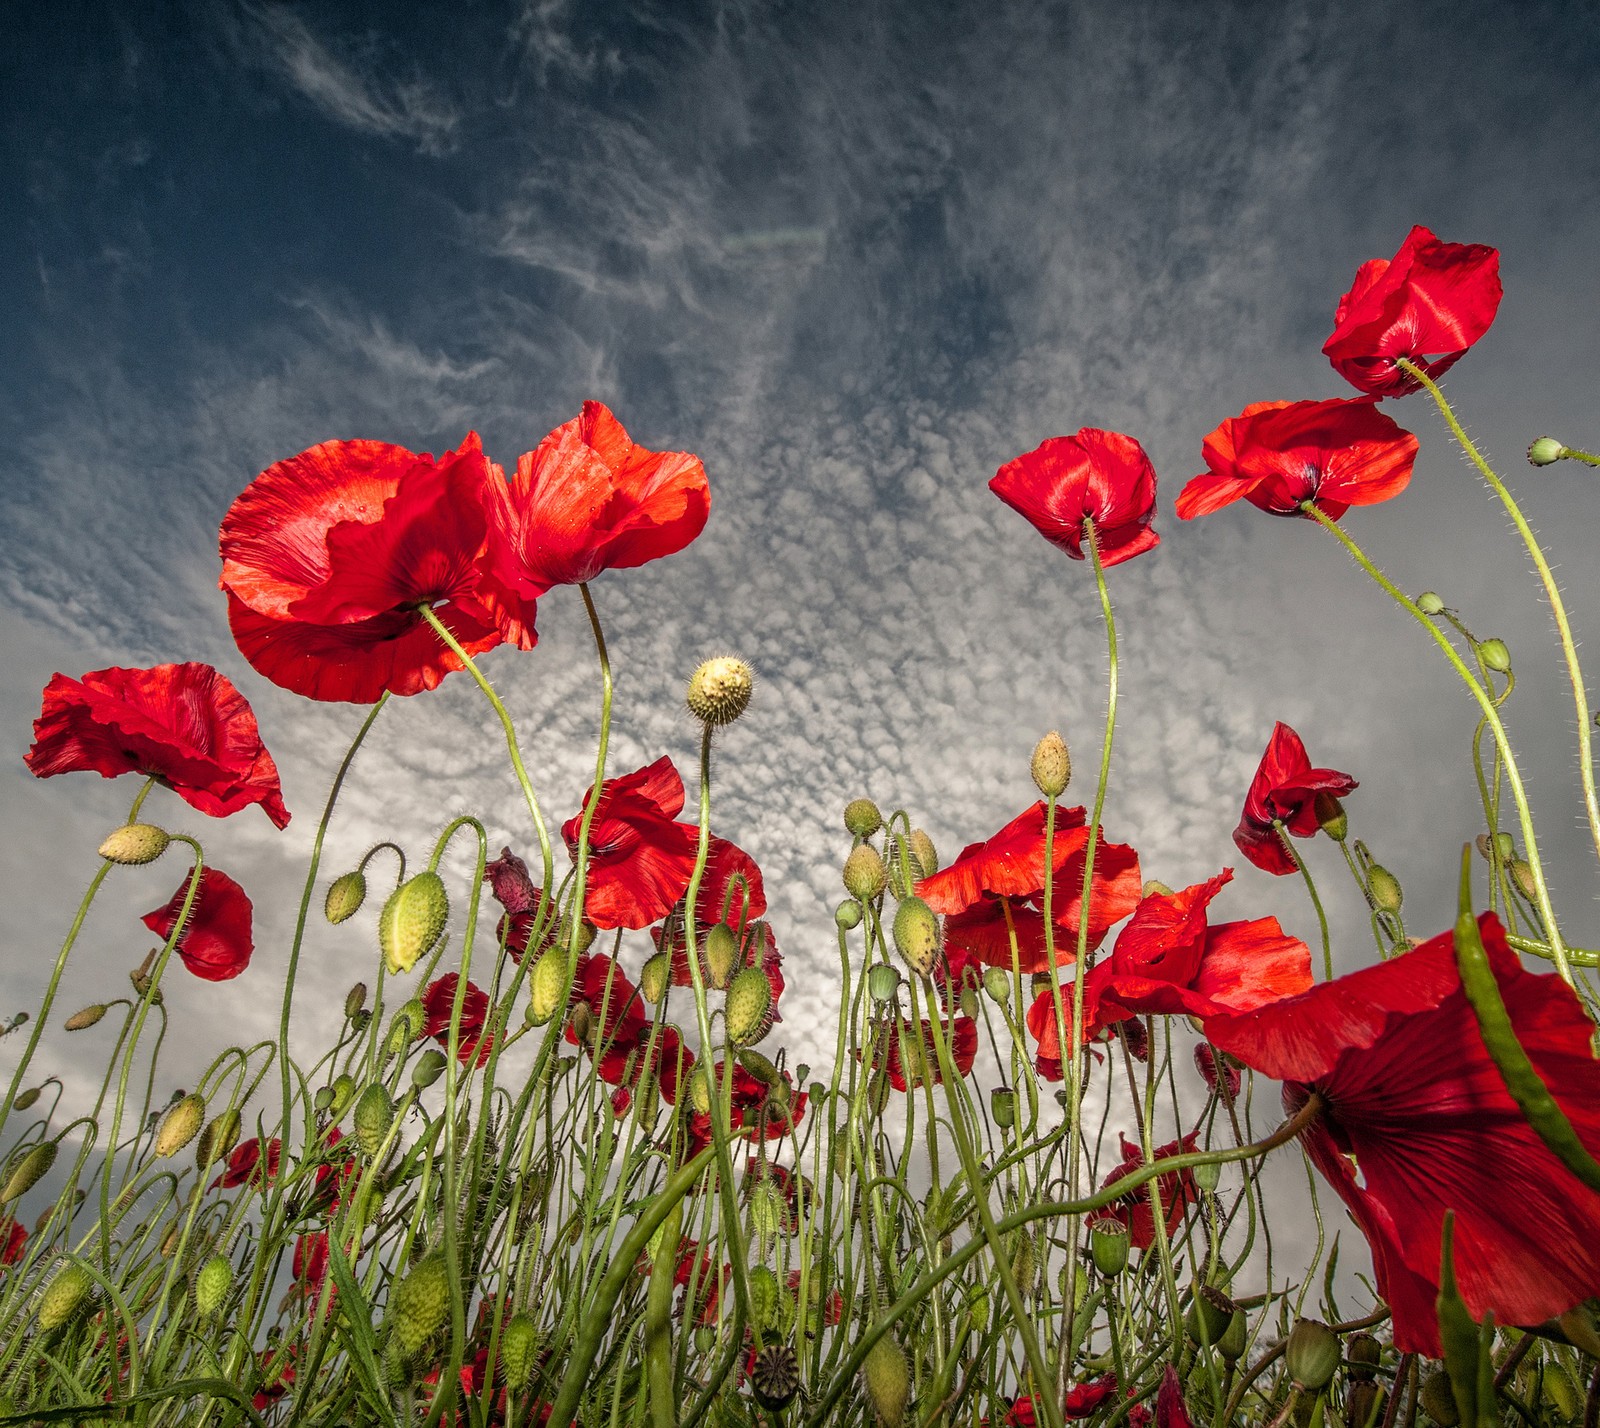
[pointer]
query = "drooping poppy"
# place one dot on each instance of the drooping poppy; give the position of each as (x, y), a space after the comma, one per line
(185, 724)
(1415, 1120)
(1338, 453)
(1082, 1401)
(244, 1165)
(1284, 790)
(438, 1005)
(1177, 1188)
(1428, 304)
(216, 942)
(1099, 476)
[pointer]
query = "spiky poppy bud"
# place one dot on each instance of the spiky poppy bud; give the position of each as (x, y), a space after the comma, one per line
(1052, 765)
(847, 916)
(547, 988)
(883, 981)
(1331, 817)
(655, 977)
(87, 1017)
(747, 1010)
(1430, 604)
(66, 1296)
(764, 1296)
(344, 1091)
(1384, 889)
(211, 1285)
(1025, 1262)
(888, 1380)
(997, 983)
(420, 1304)
(775, 1377)
(26, 1099)
(1311, 1354)
(719, 690)
(923, 853)
(1522, 876)
(1545, 451)
(862, 818)
(355, 1001)
(134, 844)
(1439, 1399)
(412, 920)
(759, 1067)
(405, 1027)
(864, 873)
(519, 1351)
(916, 935)
(1108, 1245)
(721, 951)
(29, 1171)
(1154, 887)
(700, 1090)
(1003, 1106)
(429, 1068)
(346, 893)
(218, 1138)
(180, 1125)
(968, 1002)
(1495, 655)
(374, 1115)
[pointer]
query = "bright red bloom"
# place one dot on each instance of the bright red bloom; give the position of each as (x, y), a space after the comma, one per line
(216, 941)
(1429, 304)
(640, 857)
(1082, 1401)
(310, 1264)
(588, 499)
(908, 1063)
(1178, 1192)
(13, 1240)
(1099, 476)
(243, 1165)
(326, 557)
(1285, 789)
(184, 723)
(723, 898)
(438, 1003)
(620, 1033)
(1417, 1121)
(1338, 453)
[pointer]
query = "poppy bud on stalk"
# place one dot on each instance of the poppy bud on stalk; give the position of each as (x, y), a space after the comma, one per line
(30, 1170)
(747, 1010)
(1522, 876)
(429, 1068)
(1231, 1345)
(1311, 1354)
(374, 1114)
(211, 1285)
(87, 1017)
(180, 1125)
(1384, 889)
(420, 1304)
(862, 818)
(864, 873)
(135, 844)
(1430, 604)
(720, 689)
(217, 1139)
(1495, 655)
(847, 916)
(547, 988)
(412, 920)
(345, 896)
(923, 854)
(888, 1380)
(916, 935)
(655, 977)
(65, 1298)
(721, 948)
(1108, 1246)
(26, 1099)
(883, 981)
(1546, 450)
(997, 984)
(1331, 817)
(519, 1349)
(1052, 765)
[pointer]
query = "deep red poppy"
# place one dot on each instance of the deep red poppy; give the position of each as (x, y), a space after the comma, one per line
(694, 1273)
(1177, 1187)
(588, 499)
(326, 557)
(1099, 476)
(620, 1033)
(731, 891)
(1429, 304)
(1219, 1071)
(310, 1264)
(1082, 1401)
(243, 1165)
(1284, 789)
(908, 1064)
(438, 1003)
(640, 857)
(216, 942)
(1171, 1411)
(13, 1240)
(184, 723)
(1417, 1121)
(1338, 453)
(513, 888)
(759, 1110)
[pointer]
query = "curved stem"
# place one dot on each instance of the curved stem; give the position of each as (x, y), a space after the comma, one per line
(1311, 887)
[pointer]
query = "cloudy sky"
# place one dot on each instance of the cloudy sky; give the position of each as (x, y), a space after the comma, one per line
(856, 257)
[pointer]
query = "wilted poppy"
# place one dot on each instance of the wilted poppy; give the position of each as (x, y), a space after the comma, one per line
(1275, 455)
(1284, 790)
(243, 1165)
(1415, 1120)
(185, 724)
(438, 1005)
(216, 941)
(1099, 476)
(1428, 304)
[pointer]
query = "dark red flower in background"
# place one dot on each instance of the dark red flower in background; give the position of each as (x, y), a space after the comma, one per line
(1429, 304)
(514, 890)
(216, 941)
(723, 898)
(1177, 1187)
(1417, 1121)
(184, 723)
(13, 1240)
(909, 1059)
(618, 1033)
(1082, 1401)
(1275, 455)
(1284, 789)
(310, 1264)
(1096, 475)
(438, 1003)
(760, 1110)
(243, 1165)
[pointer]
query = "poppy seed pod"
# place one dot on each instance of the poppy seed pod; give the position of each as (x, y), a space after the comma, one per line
(655, 977)
(180, 1125)
(211, 1285)
(66, 1297)
(883, 981)
(1051, 766)
(1003, 1106)
(412, 920)
(1545, 450)
(997, 984)
(29, 1171)
(1311, 1354)
(775, 1377)
(719, 691)
(721, 949)
(1362, 1355)
(888, 1380)
(1430, 604)
(916, 935)
(1108, 1246)
(1234, 1339)
(547, 988)
(420, 1304)
(747, 1009)
(374, 1114)
(1495, 655)
(346, 893)
(1384, 889)
(847, 916)
(1331, 817)
(87, 1017)
(1210, 1313)
(135, 844)
(864, 873)
(519, 1348)
(862, 818)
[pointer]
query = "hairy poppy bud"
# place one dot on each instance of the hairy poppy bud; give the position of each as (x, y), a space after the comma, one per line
(1331, 817)
(847, 916)
(923, 854)
(1495, 655)
(29, 1171)
(759, 1067)
(864, 873)
(26, 1099)
(1503, 846)
(1522, 876)
(374, 1114)
(883, 981)
(916, 935)
(412, 920)
(134, 844)
(355, 1001)
(1429, 603)
(764, 1296)
(862, 818)
(1154, 887)
(1545, 450)
(775, 1377)
(344, 1091)
(1311, 1354)
(888, 1381)
(211, 1285)
(719, 691)
(429, 1068)
(1384, 889)
(405, 1027)
(997, 984)
(747, 1009)
(1003, 1106)
(1052, 765)
(968, 1002)
(420, 1304)
(87, 1017)
(66, 1297)
(1108, 1246)
(218, 1138)
(700, 1089)
(547, 988)
(180, 1125)
(519, 1350)
(655, 977)
(346, 893)
(1439, 1399)
(721, 949)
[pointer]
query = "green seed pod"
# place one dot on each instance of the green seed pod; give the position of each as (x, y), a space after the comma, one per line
(420, 1304)
(180, 1125)
(916, 935)
(817, 1093)
(1108, 1246)
(1495, 655)
(429, 1068)
(66, 1296)
(1430, 604)
(346, 893)
(847, 916)
(1545, 451)
(1439, 1399)
(1210, 1313)
(83, 1020)
(864, 873)
(721, 951)
(764, 1296)
(29, 1171)
(883, 982)
(217, 1139)
(888, 1381)
(719, 690)
(1231, 1345)
(862, 818)
(1311, 1354)
(211, 1285)
(374, 1115)
(412, 920)
(1331, 817)
(134, 844)
(655, 977)
(547, 988)
(519, 1352)
(747, 1010)
(27, 1099)
(1384, 889)
(1207, 1177)
(759, 1067)
(997, 983)
(1003, 1106)
(1052, 765)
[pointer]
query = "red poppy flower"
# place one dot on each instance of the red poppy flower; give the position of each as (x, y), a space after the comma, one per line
(216, 941)
(1219, 1071)
(326, 557)
(184, 723)
(1275, 455)
(762, 1111)
(1429, 304)
(620, 1033)
(13, 1240)
(1417, 1121)
(694, 1273)
(1099, 476)
(588, 499)
(732, 892)
(310, 1264)
(1171, 1411)
(1284, 790)
(1082, 1401)
(1178, 1192)
(243, 1165)
(908, 1064)
(438, 1003)
(640, 857)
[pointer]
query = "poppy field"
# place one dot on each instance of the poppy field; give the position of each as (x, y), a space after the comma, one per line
(558, 1166)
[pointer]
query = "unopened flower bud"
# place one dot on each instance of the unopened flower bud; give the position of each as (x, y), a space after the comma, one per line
(29, 1171)
(1430, 604)
(883, 981)
(1504, 847)
(864, 873)
(1003, 1106)
(1439, 1399)
(27, 1099)
(1051, 766)
(888, 1380)
(1522, 876)
(721, 951)
(420, 1304)
(747, 1010)
(211, 1285)
(1495, 655)
(923, 854)
(180, 1125)
(1545, 451)
(547, 988)
(218, 1138)
(66, 1297)
(719, 691)
(1311, 1354)
(134, 844)
(374, 1115)
(655, 977)
(847, 916)
(997, 984)
(1154, 887)
(581, 1020)
(862, 818)
(916, 935)
(1331, 817)
(759, 1067)
(1384, 889)
(1108, 1245)
(1234, 1339)
(346, 893)
(429, 1068)
(968, 1002)
(700, 1089)
(519, 1351)
(412, 920)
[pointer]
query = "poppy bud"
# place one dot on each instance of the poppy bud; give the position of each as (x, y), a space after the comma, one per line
(1231, 1345)
(1154, 888)
(1208, 1175)
(883, 981)
(346, 893)
(420, 1304)
(775, 1377)
(700, 1090)
(916, 935)
(66, 1297)
(864, 873)
(1362, 1355)
(759, 1067)
(923, 854)
(904, 868)
(1311, 1354)
(429, 1068)
(1545, 450)
(29, 1171)
(26, 1099)
(1430, 604)
(1331, 817)
(1051, 766)
(997, 984)
(83, 1020)
(719, 691)
(748, 1006)
(1484, 846)
(721, 949)
(1439, 1399)
(862, 818)
(763, 1297)
(180, 1125)
(1108, 1246)
(1522, 876)
(322, 1102)
(412, 920)
(818, 1093)
(1003, 1106)
(888, 1381)
(374, 1114)
(847, 916)
(519, 1348)
(211, 1285)
(344, 1091)
(1210, 1313)
(801, 1071)
(1025, 1263)
(355, 1001)
(217, 1139)
(547, 988)
(655, 977)
(1384, 889)
(134, 844)
(968, 1002)
(1504, 847)
(1495, 655)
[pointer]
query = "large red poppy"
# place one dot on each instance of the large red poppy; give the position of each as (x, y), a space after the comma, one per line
(183, 723)
(640, 857)
(1284, 789)
(1417, 1121)
(326, 557)
(1099, 476)
(13, 1240)
(438, 1004)
(1275, 455)
(588, 499)
(216, 941)
(1429, 304)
